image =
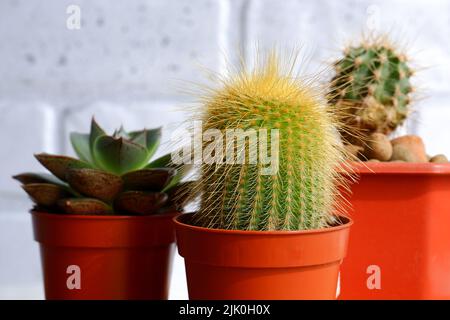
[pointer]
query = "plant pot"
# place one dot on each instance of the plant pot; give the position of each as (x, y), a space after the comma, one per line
(105, 257)
(231, 264)
(400, 246)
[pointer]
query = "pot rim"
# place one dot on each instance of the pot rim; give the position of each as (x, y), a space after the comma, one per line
(348, 222)
(400, 168)
(79, 231)
(168, 214)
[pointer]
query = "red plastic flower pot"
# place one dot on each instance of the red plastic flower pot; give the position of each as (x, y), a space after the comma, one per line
(231, 264)
(105, 257)
(400, 243)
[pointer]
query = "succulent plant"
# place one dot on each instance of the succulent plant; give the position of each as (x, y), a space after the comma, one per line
(113, 175)
(303, 192)
(372, 86)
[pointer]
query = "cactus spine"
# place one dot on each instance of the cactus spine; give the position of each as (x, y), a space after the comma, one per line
(302, 193)
(373, 86)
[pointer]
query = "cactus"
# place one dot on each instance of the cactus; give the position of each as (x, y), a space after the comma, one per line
(302, 193)
(113, 175)
(372, 85)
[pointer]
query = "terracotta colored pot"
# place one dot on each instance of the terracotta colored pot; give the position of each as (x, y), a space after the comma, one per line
(400, 246)
(105, 257)
(230, 264)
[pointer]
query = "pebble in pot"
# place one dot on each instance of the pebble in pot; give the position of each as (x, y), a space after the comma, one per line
(353, 150)
(440, 158)
(409, 148)
(378, 147)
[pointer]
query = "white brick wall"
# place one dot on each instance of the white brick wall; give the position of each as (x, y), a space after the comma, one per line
(129, 59)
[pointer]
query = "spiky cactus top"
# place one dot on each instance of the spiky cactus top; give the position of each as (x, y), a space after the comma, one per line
(372, 85)
(302, 193)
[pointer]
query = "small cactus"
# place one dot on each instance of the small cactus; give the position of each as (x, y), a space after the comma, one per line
(372, 85)
(302, 194)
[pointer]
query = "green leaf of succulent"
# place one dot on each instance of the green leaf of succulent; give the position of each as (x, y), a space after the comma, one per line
(80, 143)
(182, 171)
(96, 131)
(31, 177)
(84, 206)
(46, 194)
(161, 162)
(148, 179)
(121, 133)
(59, 165)
(140, 138)
(95, 183)
(119, 155)
(149, 139)
(139, 202)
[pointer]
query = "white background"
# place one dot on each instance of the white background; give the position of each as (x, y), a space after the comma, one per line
(130, 58)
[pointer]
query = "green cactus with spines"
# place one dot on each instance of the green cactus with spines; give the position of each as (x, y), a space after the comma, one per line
(303, 192)
(372, 85)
